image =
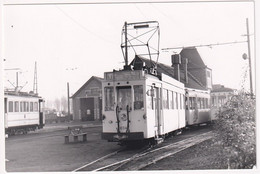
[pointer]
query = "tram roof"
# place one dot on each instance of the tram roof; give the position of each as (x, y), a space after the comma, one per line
(21, 94)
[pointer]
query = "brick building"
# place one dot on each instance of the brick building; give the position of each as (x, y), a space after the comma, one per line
(87, 102)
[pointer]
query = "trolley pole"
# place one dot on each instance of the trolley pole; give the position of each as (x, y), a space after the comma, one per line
(68, 89)
(126, 53)
(249, 58)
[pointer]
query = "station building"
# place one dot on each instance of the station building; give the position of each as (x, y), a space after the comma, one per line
(87, 102)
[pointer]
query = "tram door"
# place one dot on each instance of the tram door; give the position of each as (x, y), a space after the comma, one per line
(157, 111)
(123, 108)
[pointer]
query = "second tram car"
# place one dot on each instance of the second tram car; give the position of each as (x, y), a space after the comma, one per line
(197, 106)
(23, 112)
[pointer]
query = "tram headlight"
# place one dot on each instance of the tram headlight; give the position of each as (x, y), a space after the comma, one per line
(103, 117)
(144, 116)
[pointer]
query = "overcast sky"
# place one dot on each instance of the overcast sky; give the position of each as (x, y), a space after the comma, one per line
(85, 39)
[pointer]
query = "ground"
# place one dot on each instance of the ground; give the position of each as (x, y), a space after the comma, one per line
(206, 155)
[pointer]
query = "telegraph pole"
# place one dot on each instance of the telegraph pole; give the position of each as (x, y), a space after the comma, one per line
(35, 84)
(249, 57)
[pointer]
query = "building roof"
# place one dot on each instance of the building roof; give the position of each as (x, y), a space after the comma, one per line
(221, 88)
(168, 70)
(83, 86)
(194, 58)
(20, 93)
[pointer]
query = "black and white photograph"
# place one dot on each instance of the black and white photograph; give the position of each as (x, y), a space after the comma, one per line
(129, 86)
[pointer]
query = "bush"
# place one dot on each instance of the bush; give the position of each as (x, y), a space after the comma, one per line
(235, 129)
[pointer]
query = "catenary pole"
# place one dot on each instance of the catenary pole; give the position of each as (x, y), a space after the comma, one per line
(249, 57)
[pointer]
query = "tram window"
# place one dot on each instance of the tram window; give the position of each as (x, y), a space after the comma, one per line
(165, 99)
(207, 103)
(5, 104)
(185, 102)
(180, 101)
(109, 98)
(26, 106)
(171, 99)
(192, 102)
(138, 97)
(176, 95)
(11, 106)
(124, 97)
(31, 106)
(21, 106)
(35, 106)
(16, 106)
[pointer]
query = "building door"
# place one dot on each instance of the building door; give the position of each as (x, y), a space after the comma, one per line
(87, 109)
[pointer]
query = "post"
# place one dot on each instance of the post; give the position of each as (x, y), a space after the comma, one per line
(68, 99)
(249, 58)
(17, 80)
(126, 53)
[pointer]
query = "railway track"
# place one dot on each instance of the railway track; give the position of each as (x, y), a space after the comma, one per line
(122, 161)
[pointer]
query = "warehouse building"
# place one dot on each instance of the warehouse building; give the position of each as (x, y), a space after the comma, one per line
(87, 101)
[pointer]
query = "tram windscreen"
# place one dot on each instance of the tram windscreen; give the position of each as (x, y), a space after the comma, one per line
(123, 97)
(138, 97)
(109, 98)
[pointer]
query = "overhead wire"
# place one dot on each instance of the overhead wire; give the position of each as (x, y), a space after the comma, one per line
(206, 45)
(83, 27)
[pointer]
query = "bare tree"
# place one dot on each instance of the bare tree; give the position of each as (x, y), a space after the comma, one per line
(57, 104)
(64, 104)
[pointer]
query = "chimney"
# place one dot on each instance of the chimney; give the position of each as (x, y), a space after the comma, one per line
(176, 61)
(186, 70)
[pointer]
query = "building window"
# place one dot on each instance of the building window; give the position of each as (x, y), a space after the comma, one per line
(138, 97)
(109, 98)
(11, 106)
(208, 74)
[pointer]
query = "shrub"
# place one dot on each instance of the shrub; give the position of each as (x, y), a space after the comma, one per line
(235, 129)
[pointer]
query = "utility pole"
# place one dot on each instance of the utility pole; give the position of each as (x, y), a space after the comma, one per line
(17, 81)
(126, 53)
(68, 88)
(249, 57)
(35, 84)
